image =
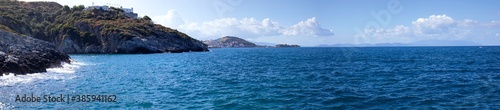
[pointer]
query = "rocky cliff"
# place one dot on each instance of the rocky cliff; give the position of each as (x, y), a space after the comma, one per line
(229, 41)
(76, 30)
(22, 54)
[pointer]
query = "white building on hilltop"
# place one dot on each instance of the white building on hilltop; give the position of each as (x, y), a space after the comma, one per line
(128, 11)
(105, 7)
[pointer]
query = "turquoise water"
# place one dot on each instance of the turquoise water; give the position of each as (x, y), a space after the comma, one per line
(272, 78)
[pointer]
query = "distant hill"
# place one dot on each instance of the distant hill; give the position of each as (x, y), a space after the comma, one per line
(286, 45)
(264, 44)
(444, 43)
(236, 42)
(228, 42)
(417, 43)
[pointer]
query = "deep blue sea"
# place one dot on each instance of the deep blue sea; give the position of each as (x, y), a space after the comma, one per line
(272, 78)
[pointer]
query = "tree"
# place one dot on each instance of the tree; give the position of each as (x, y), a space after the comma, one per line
(66, 8)
(116, 10)
(78, 8)
(146, 17)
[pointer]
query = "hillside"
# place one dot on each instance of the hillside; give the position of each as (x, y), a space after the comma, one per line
(229, 41)
(75, 30)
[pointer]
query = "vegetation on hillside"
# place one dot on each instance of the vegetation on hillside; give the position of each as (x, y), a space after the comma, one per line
(53, 22)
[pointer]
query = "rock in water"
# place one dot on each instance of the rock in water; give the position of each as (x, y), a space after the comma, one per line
(23, 54)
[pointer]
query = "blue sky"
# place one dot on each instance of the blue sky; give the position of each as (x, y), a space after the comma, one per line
(314, 22)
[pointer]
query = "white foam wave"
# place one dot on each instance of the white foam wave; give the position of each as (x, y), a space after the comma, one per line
(67, 68)
(64, 72)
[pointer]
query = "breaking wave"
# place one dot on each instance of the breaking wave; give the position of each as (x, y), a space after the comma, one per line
(64, 72)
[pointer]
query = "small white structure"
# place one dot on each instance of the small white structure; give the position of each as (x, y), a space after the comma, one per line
(128, 10)
(105, 7)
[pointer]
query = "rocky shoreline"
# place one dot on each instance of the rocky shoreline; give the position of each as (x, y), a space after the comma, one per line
(35, 36)
(22, 55)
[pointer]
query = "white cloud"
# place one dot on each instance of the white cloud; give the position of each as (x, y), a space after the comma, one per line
(245, 27)
(171, 19)
(399, 33)
(251, 27)
(310, 27)
(436, 27)
(467, 23)
(434, 24)
(399, 30)
(492, 24)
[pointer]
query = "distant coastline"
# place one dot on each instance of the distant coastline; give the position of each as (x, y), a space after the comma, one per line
(422, 43)
(236, 42)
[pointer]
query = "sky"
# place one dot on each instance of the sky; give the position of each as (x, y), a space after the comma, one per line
(315, 22)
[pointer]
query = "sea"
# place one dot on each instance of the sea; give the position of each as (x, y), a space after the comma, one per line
(267, 78)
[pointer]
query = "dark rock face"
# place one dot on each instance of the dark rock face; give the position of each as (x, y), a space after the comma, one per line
(22, 54)
(137, 44)
(157, 39)
(158, 44)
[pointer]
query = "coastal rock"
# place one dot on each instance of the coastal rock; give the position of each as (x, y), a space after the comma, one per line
(158, 39)
(22, 54)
